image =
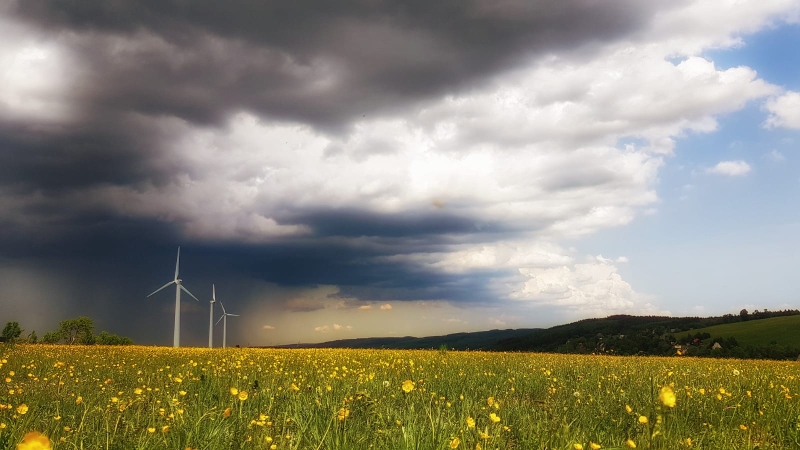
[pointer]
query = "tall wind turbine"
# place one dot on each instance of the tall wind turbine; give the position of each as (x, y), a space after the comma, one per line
(224, 319)
(176, 337)
(211, 317)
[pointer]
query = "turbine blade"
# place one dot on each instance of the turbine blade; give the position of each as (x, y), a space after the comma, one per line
(162, 287)
(187, 291)
(220, 319)
(222, 305)
(213, 293)
(177, 262)
(234, 315)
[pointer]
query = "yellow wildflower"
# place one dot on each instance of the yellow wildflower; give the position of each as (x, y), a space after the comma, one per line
(226, 413)
(79, 400)
(455, 442)
(494, 418)
(470, 422)
(628, 409)
(577, 446)
(667, 397)
(151, 430)
(243, 395)
(642, 420)
(594, 446)
(34, 441)
(408, 386)
(234, 391)
(22, 409)
(630, 444)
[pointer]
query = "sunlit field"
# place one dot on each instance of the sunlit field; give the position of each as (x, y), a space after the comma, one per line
(144, 397)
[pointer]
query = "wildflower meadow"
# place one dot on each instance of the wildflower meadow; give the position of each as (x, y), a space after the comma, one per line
(74, 397)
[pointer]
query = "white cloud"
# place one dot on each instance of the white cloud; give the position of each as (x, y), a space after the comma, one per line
(622, 260)
(386, 307)
(268, 327)
(593, 288)
(784, 111)
(365, 307)
(776, 156)
(334, 327)
(730, 168)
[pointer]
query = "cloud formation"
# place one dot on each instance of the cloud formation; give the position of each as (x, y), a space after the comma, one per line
(784, 111)
(730, 168)
(359, 153)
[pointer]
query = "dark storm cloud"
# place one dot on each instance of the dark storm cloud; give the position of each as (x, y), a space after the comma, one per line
(322, 63)
(102, 150)
(139, 74)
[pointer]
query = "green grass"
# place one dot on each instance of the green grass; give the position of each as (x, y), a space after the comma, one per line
(782, 330)
(162, 398)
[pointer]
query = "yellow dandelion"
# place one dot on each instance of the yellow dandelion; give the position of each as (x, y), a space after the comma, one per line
(688, 442)
(490, 401)
(79, 400)
(234, 391)
(294, 387)
(408, 386)
(628, 409)
(137, 391)
(667, 397)
(165, 428)
(743, 427)
(22, 409)
(151, 430)
(35, 441)
(470, 422)
(630, 444)
(642, 420)
(577, 446)
(594, 446)
(455, 442)
(494, 418)
(243, 395)
(226, 413)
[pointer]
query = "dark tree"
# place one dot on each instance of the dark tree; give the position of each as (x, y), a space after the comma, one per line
(11, 332)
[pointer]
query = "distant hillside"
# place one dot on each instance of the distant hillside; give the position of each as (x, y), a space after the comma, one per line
(775, 330)
(480, 340)
(768, 335)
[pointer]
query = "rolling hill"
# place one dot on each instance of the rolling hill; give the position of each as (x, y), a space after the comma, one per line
(775, 330)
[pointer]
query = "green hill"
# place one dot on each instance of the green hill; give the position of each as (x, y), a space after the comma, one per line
(775, 330)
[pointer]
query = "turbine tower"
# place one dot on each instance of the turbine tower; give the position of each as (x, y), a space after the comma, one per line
(176, 337)
(211, 317)
(224, 319)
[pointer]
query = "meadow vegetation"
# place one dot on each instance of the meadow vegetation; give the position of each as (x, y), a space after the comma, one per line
(98, 397)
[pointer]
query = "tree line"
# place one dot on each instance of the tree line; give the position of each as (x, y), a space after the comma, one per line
(79, 331)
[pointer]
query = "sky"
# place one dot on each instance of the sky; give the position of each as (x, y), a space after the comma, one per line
(373, 168)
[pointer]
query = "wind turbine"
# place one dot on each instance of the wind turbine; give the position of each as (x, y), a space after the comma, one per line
(224, 319)
(211, 317)
(176, 337)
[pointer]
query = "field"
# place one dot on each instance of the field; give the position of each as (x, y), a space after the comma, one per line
(155, 398)
(782, 330)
